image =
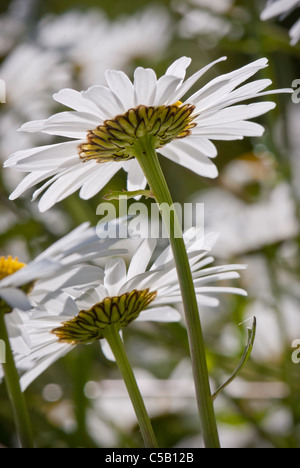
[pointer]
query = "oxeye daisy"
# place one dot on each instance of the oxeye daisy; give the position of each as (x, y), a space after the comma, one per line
(83, 315)
(25, 286)
(108, 122)
(59, 266)
(283, 8)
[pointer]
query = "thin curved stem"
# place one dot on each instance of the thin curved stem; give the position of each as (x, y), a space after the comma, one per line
(116, 344)
(14, 390)
(146, 155)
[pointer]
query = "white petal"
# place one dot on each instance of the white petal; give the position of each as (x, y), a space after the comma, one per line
(67, 124)
(187, 156)
(29, 181)
(68, 277)
(217, 277)
(218, 289)
(187, 85)
(141, 258)
(231, 131)
(236, 113)
(204, 145)
(217, 89)
(15, 298)
(46, 158)
(107, 350)
(114, 275)
(107, 102)
(102, 175)
(166, 87)
(207, 301)
(66, 185)
(277, 8)
(144, 86)
(179, 67)
(160, 314)
(43, 365)
(88, 299)
(295, 33)
(136, 179)
(121, 85)
(77, 101)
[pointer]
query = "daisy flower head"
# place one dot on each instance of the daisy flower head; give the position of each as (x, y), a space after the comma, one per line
(60, 266)
(145, 34)
(30, 74)
(145, 291)
(283, 8)
(108, 121)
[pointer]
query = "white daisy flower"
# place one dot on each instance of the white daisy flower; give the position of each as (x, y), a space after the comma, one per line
(209, 20)
(138, 293)
(108, 120)
(284, 8)
(60, 266)
(30, 74)
(247, 227)
(219, 6)
(13, 24)
(74, 34)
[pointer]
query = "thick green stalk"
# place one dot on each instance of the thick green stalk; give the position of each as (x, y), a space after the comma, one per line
(147, 157)
(14, 390)
(116, 344)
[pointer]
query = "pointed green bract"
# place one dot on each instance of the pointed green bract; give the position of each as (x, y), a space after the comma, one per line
(114, 139)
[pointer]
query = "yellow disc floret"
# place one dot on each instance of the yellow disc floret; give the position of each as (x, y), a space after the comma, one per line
(9, 266)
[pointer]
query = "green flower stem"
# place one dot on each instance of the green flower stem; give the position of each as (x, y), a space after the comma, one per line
(146, 155)
(116, 344)
(14, 390)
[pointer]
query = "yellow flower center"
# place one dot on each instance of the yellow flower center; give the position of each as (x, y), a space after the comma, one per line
(113, 140)
(90, 325)
(9, 266)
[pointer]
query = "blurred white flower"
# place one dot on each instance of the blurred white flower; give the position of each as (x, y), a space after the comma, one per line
(219, 6)
(81, 313)
(31, 74)
(10, 29)
(248, 227)
(205, 23)
(272, 337)
(284, 8)
(108, 122)
(293, 154)
(93, 44)
(13, 23)
(208, 21)
(57, 264)
(67, 30)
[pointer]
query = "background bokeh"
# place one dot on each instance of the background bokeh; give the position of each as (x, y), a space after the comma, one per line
(46, 45)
